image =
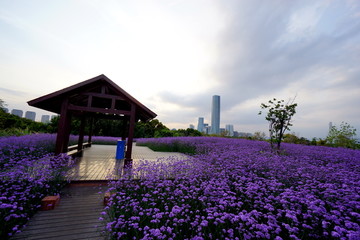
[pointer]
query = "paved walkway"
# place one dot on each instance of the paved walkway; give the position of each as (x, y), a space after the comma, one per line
(99, 163)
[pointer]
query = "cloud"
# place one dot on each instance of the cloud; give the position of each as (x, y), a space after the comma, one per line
(12, 92)
(175, 57)
(281, 49)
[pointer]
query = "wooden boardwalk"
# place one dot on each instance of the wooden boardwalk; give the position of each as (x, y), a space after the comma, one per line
(81, 204)
(99, 163)
(76, 217)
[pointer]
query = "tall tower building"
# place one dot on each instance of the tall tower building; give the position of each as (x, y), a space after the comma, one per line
(215, 115)
(200, 126)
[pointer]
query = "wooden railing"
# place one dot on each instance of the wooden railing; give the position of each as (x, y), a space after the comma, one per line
(73, 149)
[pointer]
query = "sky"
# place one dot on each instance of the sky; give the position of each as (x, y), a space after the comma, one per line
(174, 55)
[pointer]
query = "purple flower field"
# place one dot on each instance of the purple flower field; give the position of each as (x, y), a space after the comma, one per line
(239, 189)
(28, 172)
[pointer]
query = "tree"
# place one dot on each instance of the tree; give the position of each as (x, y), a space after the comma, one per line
(148, 129)
(189, 132)
(163, 133)
(342, 137)
(279, 116)
(260, 136)
(292, 138)
(2, 105)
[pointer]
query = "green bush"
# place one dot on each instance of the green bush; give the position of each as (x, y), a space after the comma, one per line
(174, 146)
(344, 136)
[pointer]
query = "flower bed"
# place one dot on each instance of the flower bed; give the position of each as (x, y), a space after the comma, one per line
(28, 173)
(239, 189)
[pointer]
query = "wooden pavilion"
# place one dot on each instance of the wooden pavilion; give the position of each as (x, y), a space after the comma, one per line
(98, 97)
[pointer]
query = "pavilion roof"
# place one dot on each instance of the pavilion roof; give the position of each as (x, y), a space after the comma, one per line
(97, 95)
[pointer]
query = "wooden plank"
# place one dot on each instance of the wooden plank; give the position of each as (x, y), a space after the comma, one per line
(76, 217)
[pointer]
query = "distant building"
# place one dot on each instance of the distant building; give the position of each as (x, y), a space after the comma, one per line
(191, 126)
(215, 115)
(200, 126)
(222, 131)
(6, 110)
(229, 128)
(45, 118)
(30, 115)
(17, 112)
(207, 128)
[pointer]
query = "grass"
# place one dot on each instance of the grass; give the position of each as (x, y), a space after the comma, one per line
(175, 146)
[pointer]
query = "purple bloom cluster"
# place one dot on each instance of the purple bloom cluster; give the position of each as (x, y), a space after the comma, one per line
(240, 189)
(28, 173)
(13, 149)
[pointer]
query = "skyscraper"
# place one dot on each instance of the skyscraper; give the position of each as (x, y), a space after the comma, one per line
(200, 126)
(215, 115)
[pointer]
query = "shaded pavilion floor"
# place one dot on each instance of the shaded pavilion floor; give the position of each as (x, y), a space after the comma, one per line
(81, 203)
(98, 162)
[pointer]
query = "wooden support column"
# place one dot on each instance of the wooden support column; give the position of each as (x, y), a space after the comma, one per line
(81, 136)
(63, 133)
(125, 126)
(91, 129)
(131, 134)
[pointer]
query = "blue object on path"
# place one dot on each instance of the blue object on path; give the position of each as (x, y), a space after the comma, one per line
(120, 149)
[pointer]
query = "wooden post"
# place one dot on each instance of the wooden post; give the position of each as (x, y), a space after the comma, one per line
(62, 137)
(91, 129)
(67, 132)
(131, 133)
(125, 126)
(81, 136)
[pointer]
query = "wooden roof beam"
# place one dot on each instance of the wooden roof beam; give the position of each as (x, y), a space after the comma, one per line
(98, 110)
(99, 95)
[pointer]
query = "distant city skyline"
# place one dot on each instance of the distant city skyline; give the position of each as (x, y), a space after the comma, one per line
(31, 115)
(215, 127)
